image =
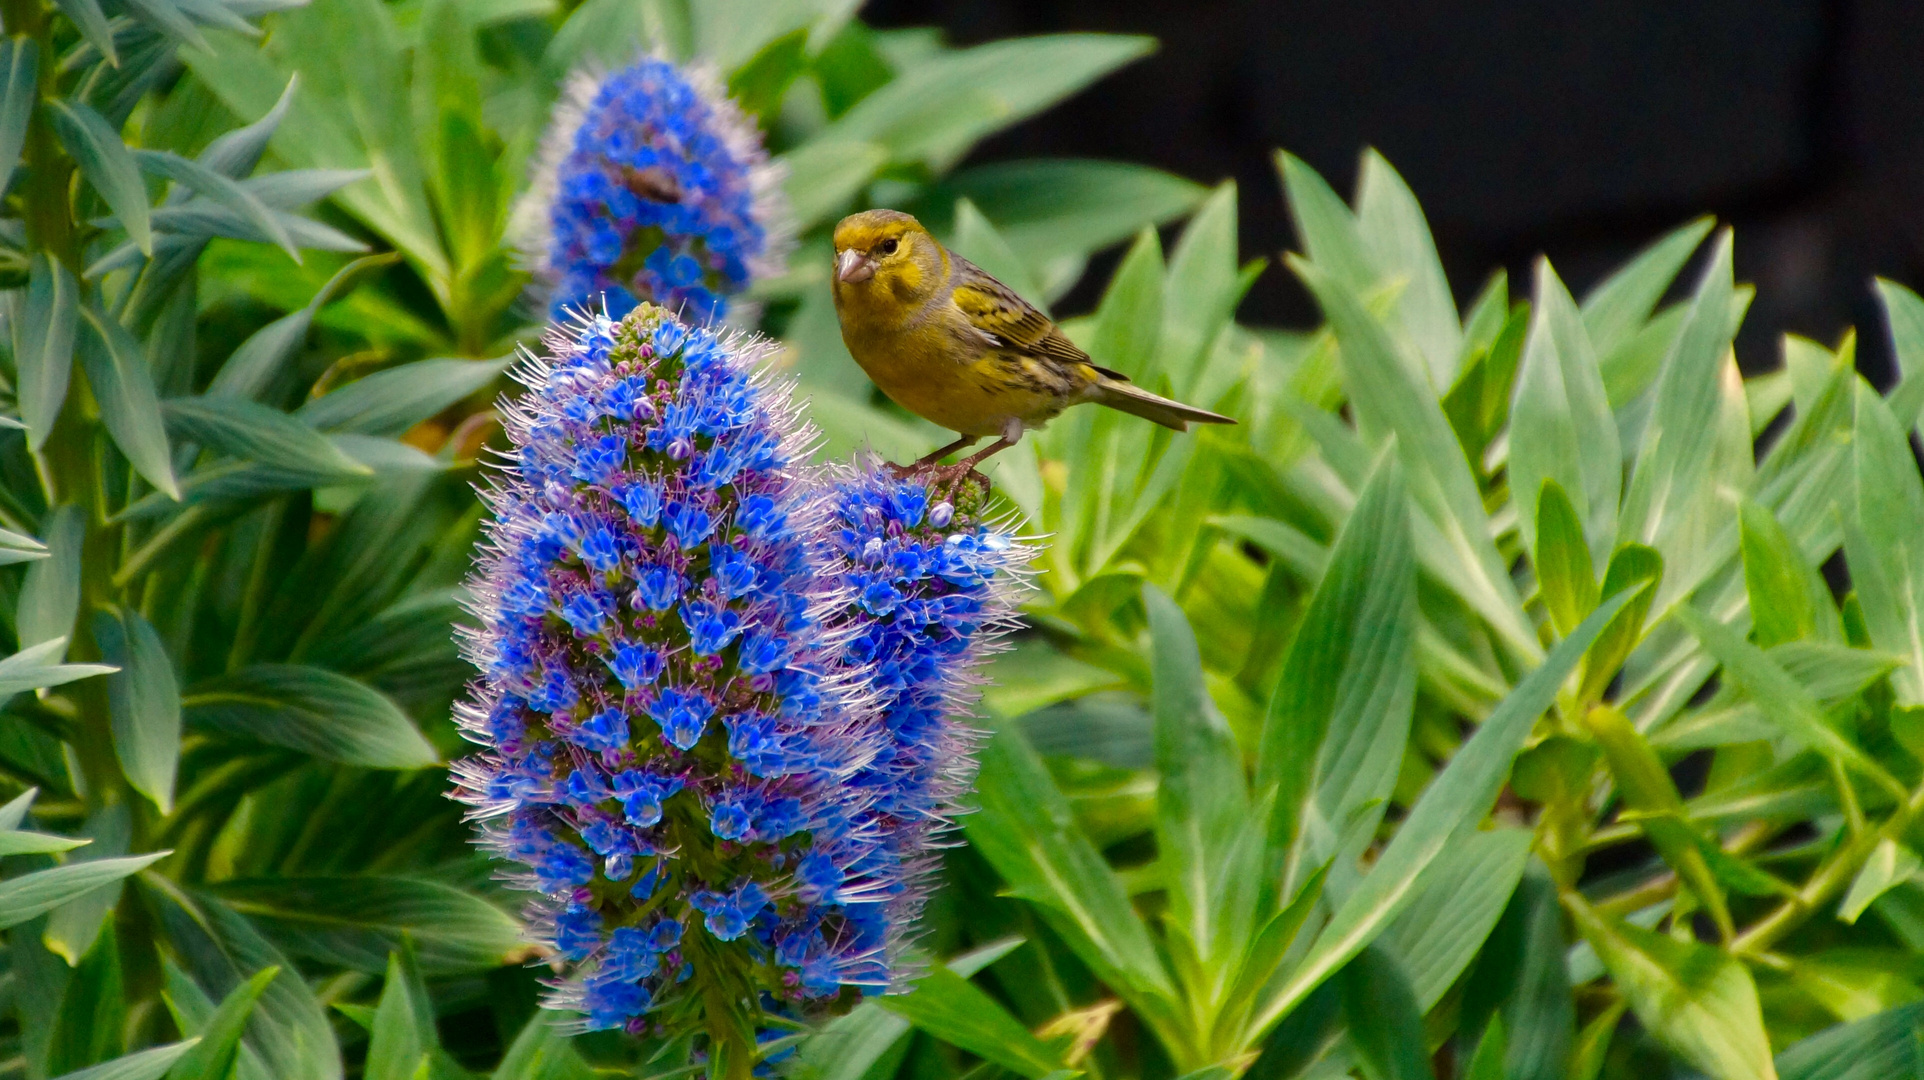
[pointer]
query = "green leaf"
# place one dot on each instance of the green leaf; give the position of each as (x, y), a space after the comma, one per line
(1398, 238)
(43, 322)
(221, 191)
(938, 109)
(403, 1034)
(15, 842)
(357, 922)
(144, 700)
(151, 1064)
(1389, 391)
(825, 173)
(1674, 461)
(106, 163)
(1788, 598)
(1385, 1022)
(1904, 311)
(1201, 802)
(1025, 829)
(1340, 714)
(1327, 230)
(976, 240)
(1200, 290)
(123, 385)
(392, 401)
(32, 894)
(1875, 1048)
(39, 666)
(1458, 901)
(256, 365)
(1050, 208)
(20, 90)
(1620, 304)
(1890, 865)
(312, 710)
(543, 1052)
(254, 432)
(1461, 793)
(1884, 549)
(1696, 999)
(50, 589)
(73, 929)
(1487, 1062)
(219, 1037)
(1794, 710)
(1638, 570)
(1565, 576)
(288, 1032)
(953, 1009)
(1561, 426)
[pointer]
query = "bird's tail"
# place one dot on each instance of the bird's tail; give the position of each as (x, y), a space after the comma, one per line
(1136, 401)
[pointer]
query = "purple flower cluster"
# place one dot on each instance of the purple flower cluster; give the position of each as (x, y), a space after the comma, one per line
(653, 186)
(716, 686)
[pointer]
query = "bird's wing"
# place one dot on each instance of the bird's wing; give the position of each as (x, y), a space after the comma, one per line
(994, 309)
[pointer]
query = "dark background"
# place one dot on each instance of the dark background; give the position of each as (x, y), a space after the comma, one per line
(1577, 130)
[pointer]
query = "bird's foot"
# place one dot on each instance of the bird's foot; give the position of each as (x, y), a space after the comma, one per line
(947, 479)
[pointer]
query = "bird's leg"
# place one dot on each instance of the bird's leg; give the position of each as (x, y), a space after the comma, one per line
(1011, 434)
(929, 459)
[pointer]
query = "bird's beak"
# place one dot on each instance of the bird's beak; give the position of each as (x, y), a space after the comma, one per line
(851, 266)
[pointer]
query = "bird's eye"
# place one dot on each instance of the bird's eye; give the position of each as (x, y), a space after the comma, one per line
(886, 247)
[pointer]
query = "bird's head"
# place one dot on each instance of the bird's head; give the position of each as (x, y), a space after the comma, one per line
(886, 255)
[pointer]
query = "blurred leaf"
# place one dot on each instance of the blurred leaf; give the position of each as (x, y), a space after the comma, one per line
(1385, 1021)
(212, 1057)
(106, 163)
(149, 1064)
(976, 240)
(312, 710)
(1678, 445)
(392, 401)
(123, 385)
(50, 590)
(145, 703)
(1889, 865)
(254, 367)
(16, 842)
(1619, 305)
(403, 1034)
(39, 666)
(1697, 999)
(1051, 207)
(1457, 902)
(42, 321)
(1636, 571)
(937, 110)
(357, 922)
(1885, 555)
(1561, 427)
(1392, 227)
(1788, 598)
(20, 91)
(287, 1031)
(1565, 576)
(1487, 1062)
(24, 897)
(1876, 1047)
(1461, 793)
(74, 927)
(254, 432)
(220, 190)
(825, 173)
(543, 1052)
(953, 1009)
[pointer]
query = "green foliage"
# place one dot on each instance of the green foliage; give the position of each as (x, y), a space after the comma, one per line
(1345, 740)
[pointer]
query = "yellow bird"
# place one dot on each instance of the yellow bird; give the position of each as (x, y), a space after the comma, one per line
(956, 347)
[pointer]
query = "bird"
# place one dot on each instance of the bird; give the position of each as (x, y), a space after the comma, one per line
(951, 344)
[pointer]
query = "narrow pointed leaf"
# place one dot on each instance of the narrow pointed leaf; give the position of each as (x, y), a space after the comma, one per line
(1621, 303)
(953, 1009)
(392, 401)
(39, 666)
(43, 890)
(1561, 426)
(144, 700)
(107, 164)
(312, 710)
(149, 1064)
(1399, 241)
(253, 432)
(1565, 576)
(1385, 1022)
(20, 59)
(213, 1056)
(117, 369)
(50, 589)
(43, 325)
(254, 367)
(403, 1034)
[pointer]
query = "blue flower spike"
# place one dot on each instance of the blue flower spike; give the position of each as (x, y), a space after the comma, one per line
(652, 186)
(719, 762)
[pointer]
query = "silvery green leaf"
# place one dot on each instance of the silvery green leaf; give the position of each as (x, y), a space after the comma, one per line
(39, 666)
(312, 710)
(251, 431)
(235, 153)
(253, 367)
(106, 163)
(33, 894)
(42, 321)
(20, 57)
(144, 700)
(129, 406)
(50, 590)
(220, 189)
(392, 401)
